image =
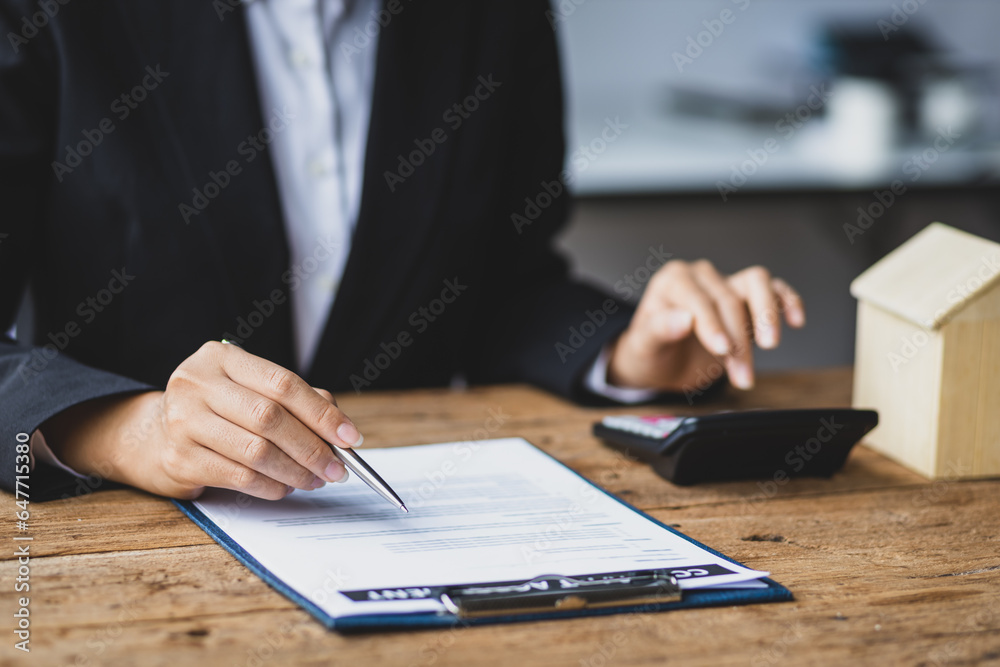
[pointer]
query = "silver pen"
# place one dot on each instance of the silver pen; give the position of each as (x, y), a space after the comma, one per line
(358, 466)
(352, 460)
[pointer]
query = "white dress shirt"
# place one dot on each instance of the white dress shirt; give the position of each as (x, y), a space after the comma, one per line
(308, 65)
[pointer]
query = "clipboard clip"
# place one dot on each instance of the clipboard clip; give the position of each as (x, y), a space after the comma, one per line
(557, 593)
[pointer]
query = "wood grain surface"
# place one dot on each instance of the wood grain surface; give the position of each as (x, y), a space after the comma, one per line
(887, 568)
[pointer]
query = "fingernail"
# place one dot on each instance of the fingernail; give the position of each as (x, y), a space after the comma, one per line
(678, 322)
(334, 471)
(349, 435)
(288, 490)
(766, 337)
(740, 376)
(720, 344)
(317, 483)
(347, 475)
(797, 318)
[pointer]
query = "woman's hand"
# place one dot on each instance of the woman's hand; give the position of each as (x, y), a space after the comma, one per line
(692, 319)
(227, 419)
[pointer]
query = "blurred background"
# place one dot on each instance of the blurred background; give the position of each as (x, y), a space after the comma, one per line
(810, 136)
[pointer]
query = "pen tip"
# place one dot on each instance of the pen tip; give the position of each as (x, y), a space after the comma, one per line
(403, 507)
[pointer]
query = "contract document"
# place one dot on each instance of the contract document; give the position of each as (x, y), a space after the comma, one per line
(479, 513)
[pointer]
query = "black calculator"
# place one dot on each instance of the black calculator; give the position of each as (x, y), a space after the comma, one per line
(748, 444)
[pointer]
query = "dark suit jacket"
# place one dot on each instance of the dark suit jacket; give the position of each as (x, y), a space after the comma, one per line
(127, 282)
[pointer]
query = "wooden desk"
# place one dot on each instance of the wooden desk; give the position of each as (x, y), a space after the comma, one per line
(886, 567)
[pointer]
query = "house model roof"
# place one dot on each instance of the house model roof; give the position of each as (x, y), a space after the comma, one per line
(933, 276)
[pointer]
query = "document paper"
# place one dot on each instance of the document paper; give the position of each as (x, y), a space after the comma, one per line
(480, 512)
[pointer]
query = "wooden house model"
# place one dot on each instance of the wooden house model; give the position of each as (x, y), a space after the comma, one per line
(928, 353)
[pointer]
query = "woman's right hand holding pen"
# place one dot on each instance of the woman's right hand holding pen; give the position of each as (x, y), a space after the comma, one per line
(227, 419)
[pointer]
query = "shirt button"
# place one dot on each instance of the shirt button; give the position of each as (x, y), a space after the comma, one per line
(318, 167)
(300, 58)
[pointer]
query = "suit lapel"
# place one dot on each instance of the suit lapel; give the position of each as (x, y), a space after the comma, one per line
(417, 78)
(214, 106)
(207, 108)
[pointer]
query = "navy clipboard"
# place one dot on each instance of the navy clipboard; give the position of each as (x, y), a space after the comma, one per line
(774, 592)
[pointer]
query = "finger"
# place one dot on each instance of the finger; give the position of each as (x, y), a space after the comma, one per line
(678, 290)
(209, 468)
(292, 393)
(269, 419)
(791, 303)
(732, 311)
(325, 394)
(659, 325)
(670, 325)
(251, 450)
(754, 284)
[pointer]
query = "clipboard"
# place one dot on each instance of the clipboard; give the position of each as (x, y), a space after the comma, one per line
(552, 596)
